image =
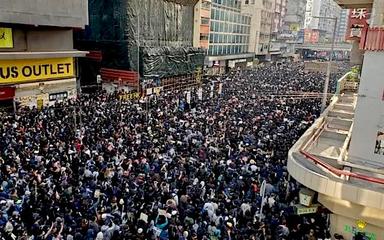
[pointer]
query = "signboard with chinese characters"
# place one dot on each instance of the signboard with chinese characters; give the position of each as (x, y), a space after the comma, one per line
(58, 96)
(301, 210)
(357, 22)
(6, 38)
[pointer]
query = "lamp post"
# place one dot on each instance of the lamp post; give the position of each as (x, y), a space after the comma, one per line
(329, 67)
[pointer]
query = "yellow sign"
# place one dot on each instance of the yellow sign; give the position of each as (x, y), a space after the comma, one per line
(27, 70)
(40, 103)
(157, 90)
(129, 96)
(198, 75)
(294, 27)
(6, 38)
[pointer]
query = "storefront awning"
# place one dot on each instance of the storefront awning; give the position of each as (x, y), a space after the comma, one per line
(41, 55)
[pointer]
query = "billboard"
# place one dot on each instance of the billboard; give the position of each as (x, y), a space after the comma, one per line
(311, 36)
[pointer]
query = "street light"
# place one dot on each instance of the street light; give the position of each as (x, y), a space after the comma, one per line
(326, 84)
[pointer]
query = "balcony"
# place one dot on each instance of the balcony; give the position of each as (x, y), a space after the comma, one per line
(350, 4)
(319, 161)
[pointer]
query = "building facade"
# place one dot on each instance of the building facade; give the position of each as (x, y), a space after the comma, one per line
(151, 43)
(293, 26)
(229, 37)
(279, 17)
(262, 25)
(294, 18)
(328, 10)
(342, 25)
(37, 57)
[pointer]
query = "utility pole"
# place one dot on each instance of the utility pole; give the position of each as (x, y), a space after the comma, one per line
(329, 67)
(74, 117)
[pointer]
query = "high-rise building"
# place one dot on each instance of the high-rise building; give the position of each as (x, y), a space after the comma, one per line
(278, 18)
(326, 10)
(262, 22)
(37, 55)
(294, 18)
(229, 32)
(342, 25)
(293, 25)
(341, 156)
(142, 41)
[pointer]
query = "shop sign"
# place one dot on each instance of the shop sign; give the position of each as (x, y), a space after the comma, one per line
(357, 22)
(58, 96)
(6, 38)
(355, 230)
(301, 210)
(7, 93)
(27, 70)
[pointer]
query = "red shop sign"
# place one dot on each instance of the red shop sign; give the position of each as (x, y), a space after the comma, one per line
(7, 93)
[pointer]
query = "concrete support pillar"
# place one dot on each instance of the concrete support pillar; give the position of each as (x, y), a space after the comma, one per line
(356, 54)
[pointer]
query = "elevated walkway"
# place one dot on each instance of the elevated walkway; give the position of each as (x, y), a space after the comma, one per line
(319, 160)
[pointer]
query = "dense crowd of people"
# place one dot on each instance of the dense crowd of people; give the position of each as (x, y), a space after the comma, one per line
(98, 168)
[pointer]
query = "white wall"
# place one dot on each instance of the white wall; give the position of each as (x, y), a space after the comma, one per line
(196, 24)
(66, 13)
(369, 115)
(27, 94)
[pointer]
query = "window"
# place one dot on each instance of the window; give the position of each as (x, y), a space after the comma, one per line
(206, 5)
(216, 38)
(221, 27)
(225, 27)
(214, 50)
(203, 36)
(205, 21)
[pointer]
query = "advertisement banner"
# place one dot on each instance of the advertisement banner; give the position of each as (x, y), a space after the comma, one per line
(29, 70)
(6, 38)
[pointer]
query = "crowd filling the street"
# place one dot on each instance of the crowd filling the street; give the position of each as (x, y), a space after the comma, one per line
(172, 167)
